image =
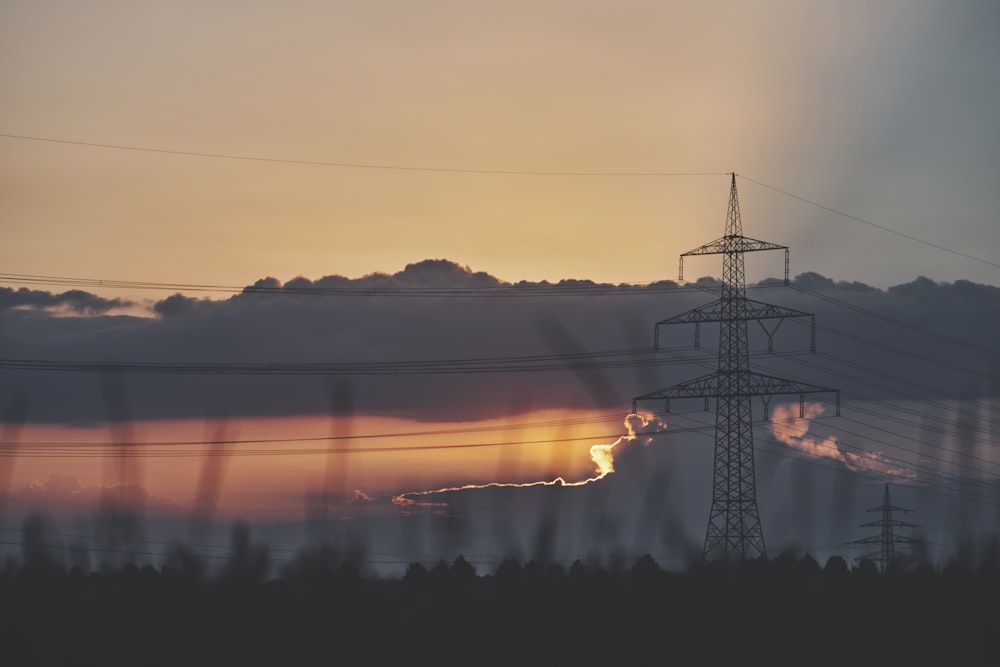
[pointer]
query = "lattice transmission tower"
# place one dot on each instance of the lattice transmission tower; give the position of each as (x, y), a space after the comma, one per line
(734, 530)
(888, 539)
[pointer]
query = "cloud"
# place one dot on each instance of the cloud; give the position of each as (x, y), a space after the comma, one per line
(61, 489)
(427, 273)
(629, 505)
(176, 304)
(73, 301)
(286, 323)
(602, 455)
(56, 486)
(788, 428)
(434, 273)
(814, 281)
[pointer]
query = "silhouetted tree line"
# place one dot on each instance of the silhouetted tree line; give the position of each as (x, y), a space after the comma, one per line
(786, 611)
(322, 609)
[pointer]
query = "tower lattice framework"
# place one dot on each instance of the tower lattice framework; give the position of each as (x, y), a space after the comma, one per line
(734, 529)
(888, 539)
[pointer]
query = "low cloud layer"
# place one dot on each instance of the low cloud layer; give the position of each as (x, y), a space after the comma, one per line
(871, 343)
(790, 429)
(63, 489)
(73, 301)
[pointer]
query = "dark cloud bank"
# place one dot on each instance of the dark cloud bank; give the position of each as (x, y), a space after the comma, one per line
(297, 323)
(872, 344)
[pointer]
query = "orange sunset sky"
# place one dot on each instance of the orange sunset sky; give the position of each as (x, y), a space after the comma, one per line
(265, 480)
(883, 111)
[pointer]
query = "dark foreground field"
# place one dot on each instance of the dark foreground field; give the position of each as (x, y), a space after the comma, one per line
(784, 611)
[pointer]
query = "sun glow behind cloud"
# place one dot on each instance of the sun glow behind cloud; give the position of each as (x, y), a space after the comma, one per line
(276, 462)
(602, 456)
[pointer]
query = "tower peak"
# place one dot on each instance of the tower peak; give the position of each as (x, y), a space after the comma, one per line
(734, 226)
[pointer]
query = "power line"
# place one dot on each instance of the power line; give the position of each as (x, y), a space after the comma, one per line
(925, 472)
(970, 468)
(602, 418)
(869, 222)
(356, 165)
(499, 289)
(908, 383)
(136, 450)
(897, 408)
(958, 411)
(901, 352)
(497, 172)
(640, 358)
(923, 469)
(892, 320)
(940, 430)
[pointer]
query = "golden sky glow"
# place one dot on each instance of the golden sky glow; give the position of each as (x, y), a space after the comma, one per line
(256, 481)
(816, 98)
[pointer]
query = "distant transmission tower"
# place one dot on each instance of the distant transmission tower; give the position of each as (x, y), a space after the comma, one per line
(887, 539)
(734, 531)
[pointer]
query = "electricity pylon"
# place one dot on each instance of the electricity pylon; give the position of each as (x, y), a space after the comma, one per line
(734, 531)
(887, 539)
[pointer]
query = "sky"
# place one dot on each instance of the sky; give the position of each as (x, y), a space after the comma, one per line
(363, 146)
(884, 112)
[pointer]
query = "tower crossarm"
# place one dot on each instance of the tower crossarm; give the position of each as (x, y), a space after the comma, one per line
(769, 385)
(887, 508)
(750, 384)
(731, 244)
(891, 523)
(706, 386)
(896, 539)
(891, 508)
(750, 310)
